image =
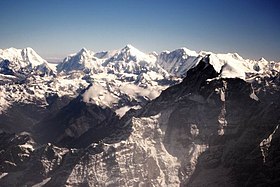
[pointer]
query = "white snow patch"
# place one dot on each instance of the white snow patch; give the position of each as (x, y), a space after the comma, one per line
(99, 95)
(3, 175)
(265, 144)
(27, 146)
(132, 89)
(42, 183)
(121, 111)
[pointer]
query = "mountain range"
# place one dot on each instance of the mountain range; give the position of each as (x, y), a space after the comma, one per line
(127, 118)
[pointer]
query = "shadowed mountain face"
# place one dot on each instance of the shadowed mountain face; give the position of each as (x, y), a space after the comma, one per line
(72, 125)
(205, 131)
(23, 117)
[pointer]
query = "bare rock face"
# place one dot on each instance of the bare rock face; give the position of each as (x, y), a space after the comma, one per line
(15, 151)
(205, 131)
(141, 159)
(41, 163)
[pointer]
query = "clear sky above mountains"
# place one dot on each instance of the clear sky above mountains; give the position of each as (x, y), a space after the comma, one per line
(57, 28)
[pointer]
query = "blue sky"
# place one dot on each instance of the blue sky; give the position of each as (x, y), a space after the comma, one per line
(57, 28)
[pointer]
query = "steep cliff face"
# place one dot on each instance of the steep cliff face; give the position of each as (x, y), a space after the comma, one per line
(205, 131)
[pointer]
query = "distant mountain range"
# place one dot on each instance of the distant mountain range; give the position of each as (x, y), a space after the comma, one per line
(128, 72)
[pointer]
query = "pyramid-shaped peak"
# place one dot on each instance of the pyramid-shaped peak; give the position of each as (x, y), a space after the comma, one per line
(153, 53)
(19, 52)
(129, 49)
(129, 46)
(26, 54)
(129, 53)
(262, 59)
(235, 56)
(187, 51)
(83, 50)
(29, 49)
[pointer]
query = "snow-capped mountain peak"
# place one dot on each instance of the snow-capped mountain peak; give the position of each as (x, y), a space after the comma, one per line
(129, 53)
(83, 60)
(187, 52)
(131, 60)
(155, 54)
(23, 61)
(129, 47)
(24, 57)
(237, 56)
(179, 61)
(262, 59)
(83, 49)
(84, 52)
(183, 51)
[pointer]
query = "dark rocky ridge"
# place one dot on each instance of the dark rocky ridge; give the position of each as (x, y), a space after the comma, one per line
(233, 159)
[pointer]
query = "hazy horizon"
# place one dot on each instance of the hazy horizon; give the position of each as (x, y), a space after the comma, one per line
(56, 29)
